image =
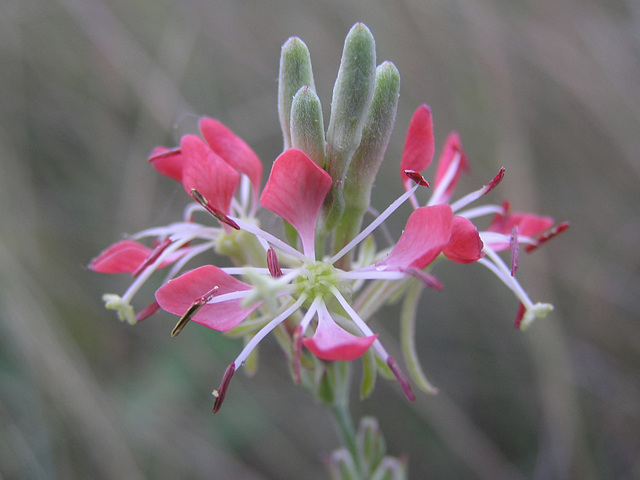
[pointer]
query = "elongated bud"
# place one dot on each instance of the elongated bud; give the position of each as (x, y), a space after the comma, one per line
(352, 94)
(370, 441)
(307, 125)
(295, 73)
(369, 155)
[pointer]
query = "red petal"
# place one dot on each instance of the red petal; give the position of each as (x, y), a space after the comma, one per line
(209, 174)
(295, 190)
(331, 342)
(418, 146)
(427, 232)
(122, 257)
(529, 225)
(167, 161)
(177, 296)
(464, 245)
(233, 150)
(452, 147)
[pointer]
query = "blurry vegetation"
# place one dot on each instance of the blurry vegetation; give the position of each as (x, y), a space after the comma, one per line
(550, 89)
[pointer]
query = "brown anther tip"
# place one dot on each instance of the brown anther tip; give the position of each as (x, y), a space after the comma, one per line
(416, 177)
(221, 217)
(553, 232)
(273, 264)
(168, 153)
(197, 304)
(153, 257)
(402, 380)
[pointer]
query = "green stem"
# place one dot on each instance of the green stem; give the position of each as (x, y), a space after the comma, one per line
(347, 431)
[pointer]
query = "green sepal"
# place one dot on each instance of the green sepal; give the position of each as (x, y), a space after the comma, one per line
(407, 337)
(295, 73)
(307, 125)
(352, 94)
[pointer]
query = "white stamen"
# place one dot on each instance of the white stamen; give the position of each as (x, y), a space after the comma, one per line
(446, 181)
(275, 241)
(374, 224)
(257, 338)
(360, 323)
(497, 266)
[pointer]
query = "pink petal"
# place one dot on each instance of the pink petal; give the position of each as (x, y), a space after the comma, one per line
(465, 245)
(427, 232)
(233, 150)
(418, 146)
(167, 161)
(295, 190)
(121, 257)
(209, 174)
(452, 147)
(331, 342)
(177, 295)
(529, 225)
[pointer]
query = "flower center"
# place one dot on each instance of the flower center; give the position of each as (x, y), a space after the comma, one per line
(316, 280)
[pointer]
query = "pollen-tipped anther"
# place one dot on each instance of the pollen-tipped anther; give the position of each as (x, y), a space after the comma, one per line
(197, 304)
(153, 257)
(402, 380)
(557, 230)
(221, 217)
(515, 250)
(273, 264)
(496, 180)
(416, 177)
(166, 153)
(220, 393)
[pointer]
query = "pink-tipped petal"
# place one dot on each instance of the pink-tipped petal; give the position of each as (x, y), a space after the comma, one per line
(177, 297)
(207, 173)
(427, 232)
(465, 245)
(331, 342)
(419, 145)
(295, 190)
(233, 150)
(167, 161)
(451, 149)
(121, 257)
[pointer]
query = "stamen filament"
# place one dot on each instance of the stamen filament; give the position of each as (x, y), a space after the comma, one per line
(257, 338)
(374, 224)
(446, 180)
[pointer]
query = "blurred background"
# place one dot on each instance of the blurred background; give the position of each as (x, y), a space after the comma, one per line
(550, 89)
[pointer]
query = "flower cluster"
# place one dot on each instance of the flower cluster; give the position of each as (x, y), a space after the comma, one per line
(318, 275)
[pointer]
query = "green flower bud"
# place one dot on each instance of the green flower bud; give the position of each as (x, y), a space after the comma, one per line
(352, 94)
(307, 126)
(369, 155)
(371, 444)
(295, 73)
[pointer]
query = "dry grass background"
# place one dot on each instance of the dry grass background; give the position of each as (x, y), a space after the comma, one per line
(549, 88)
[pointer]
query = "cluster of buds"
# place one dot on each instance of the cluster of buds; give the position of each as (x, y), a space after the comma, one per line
(302, 258)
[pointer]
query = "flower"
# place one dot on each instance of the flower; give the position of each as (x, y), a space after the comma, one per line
(222, 169)
(507, 230)
(308, 287)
